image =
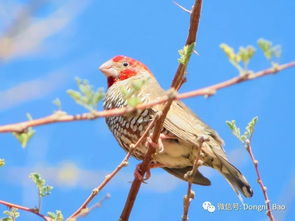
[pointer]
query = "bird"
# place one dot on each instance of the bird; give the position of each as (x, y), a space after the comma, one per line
(129, 79)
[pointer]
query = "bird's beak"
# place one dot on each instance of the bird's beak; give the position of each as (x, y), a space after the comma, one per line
(108, 69)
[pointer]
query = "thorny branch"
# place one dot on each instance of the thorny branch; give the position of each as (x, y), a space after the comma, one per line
(31, 210)
(176, 84)
(259, 180)
(179, 77)
(60, 116)
(190, 194)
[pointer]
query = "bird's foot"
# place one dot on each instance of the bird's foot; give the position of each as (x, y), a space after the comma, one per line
(138, 174)
(138, 171)
(168, 137)
(158, 146)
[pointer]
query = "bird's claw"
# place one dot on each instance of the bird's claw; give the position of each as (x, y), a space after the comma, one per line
(158, 146)
(138, 174)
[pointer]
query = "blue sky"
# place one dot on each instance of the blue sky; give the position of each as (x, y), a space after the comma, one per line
(65, 39)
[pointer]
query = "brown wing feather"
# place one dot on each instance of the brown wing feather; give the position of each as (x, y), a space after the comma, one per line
(182, 122)
(187, 127)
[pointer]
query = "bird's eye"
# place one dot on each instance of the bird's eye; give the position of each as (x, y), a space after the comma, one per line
(125, 64)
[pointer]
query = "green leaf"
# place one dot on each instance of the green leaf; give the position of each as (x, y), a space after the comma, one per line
(247, 135)
(230, 53)
(2, 162)
(11, 214)
(125, 92)
(29, 116)
(43, 190)
(25, 137)
(133, 101)
(246, 54)
(137, 84)
(130, 94)
(86, 96)
(269, 50)
(57, 216)
(265, 45)
(186, 53)
(6, 219)
(74, 94)
(233, 58)
(98, 96)
(235, 130)
(57, 103)
(250, 128)
(277, 51)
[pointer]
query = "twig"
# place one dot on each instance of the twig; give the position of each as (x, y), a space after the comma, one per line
(189, 175)
(211, 90)
(99, 204)
(259, 180)
(60, 116)
(187, 201)
(31, 210)
(176, 84)
(108, 177)
(191, 39)
(86, 211)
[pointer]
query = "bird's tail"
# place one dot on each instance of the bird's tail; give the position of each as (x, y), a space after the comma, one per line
(198, 178)
(235, 178)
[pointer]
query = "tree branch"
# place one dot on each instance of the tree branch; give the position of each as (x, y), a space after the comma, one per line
(85, 211)
(191, 39)
(60, 116)
(211, 90)
(259, 180)
(31, 210)
(189, 175)
(176, 84)
(144, 166)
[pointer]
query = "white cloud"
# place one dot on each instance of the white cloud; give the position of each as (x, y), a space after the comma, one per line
(29, 39)
(8, 10)
(31, 90)
(70, 175)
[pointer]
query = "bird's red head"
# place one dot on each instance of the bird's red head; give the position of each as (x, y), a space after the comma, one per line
(122, 67)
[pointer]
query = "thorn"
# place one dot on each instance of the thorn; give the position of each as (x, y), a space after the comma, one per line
(196, 52)
(183, 8)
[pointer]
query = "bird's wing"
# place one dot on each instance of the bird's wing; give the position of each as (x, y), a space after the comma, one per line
(182, 122)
